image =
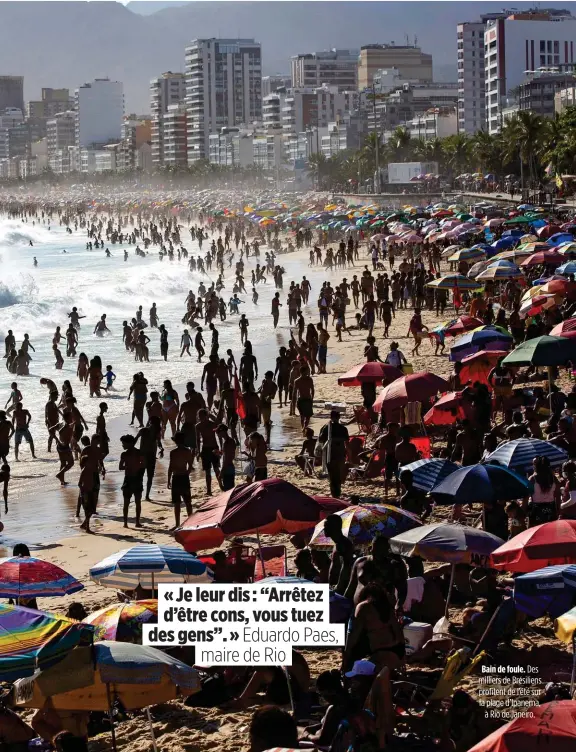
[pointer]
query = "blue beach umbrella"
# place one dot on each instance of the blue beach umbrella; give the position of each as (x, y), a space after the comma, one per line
(480, 483)
(428, 473)
(559, 238)
(148, 565)
(519, 454)
(549, 590)
(487, 338)
(568, 268)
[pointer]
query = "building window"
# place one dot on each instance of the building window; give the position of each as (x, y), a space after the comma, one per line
(542, 46)
(549, 45)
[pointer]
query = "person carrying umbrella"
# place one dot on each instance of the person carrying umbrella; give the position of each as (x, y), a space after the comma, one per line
(334, 439)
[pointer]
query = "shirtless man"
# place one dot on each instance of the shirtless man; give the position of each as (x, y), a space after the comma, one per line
(303, 396)
(91, 466)
(267, 393)
(52, 418)
(9, 342)
(21, 422)
(251, 402)
(179, 469)
(71, 341)
(342, 556)
(132, 462)
(405, 451)
(207, 447)
(6, 433)
(468, 445)
(75, 317)
(187, 416)
(150, 442)
(228, 451)
(209, 376)
(101, 327)
(390, 568)
(14, 398)
(282, 375)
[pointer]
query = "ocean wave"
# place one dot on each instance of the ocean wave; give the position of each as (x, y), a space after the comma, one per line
(14, 233)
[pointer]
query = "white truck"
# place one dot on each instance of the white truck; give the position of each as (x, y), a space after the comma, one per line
(400, 173)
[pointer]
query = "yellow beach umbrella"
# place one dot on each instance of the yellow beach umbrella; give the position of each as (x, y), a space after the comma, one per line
(565, 626)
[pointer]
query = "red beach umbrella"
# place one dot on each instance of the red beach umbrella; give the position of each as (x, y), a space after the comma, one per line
(537, 547)
(565, 329)
(269, 506)
(416, 387)
(548, 726)
(446, 411)
(544, 257)
(477, 367)
(463, 324)
(373, 372)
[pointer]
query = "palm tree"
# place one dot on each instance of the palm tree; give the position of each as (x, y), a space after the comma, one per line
(399, 145)
(317, 167)
(524, 135)
(458, 150)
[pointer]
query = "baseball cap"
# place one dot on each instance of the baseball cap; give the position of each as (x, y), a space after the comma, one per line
(361, 668)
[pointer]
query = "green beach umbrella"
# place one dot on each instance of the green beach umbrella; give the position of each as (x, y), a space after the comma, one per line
(543, 351)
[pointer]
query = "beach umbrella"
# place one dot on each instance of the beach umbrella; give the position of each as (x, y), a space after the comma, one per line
(495, 222)
(477, 367)
(446, 411)
(549, 590)
(467, 254)
(546, 231)
(448, 542)
(566, 248)
(521, 219)
(89, 679)
(361, 524)
(269, 506)
(340, 608)
(504, 244)
(543, 351)
(513, 255)
(370, 373)
(548, 726)
(481, 483)
(543, 257)
(519, 454)
(428, 473)
(537, 547)
(450, 250)
(148, 565)
(501, 269)
(461, 325)
(478, 267)
(559, 238)
(487, 338)
(567, 269)
(415, 387)
(565, 624)
(29, 577)
(538, 303)
(454, 281)
(31, 639)
(566, 329)
(123, 621)
(556, 287)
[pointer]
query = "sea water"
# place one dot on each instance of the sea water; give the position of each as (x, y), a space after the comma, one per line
(35, 300)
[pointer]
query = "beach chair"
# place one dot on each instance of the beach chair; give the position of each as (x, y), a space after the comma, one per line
(241, 561)
(363, 418)
(271, 561)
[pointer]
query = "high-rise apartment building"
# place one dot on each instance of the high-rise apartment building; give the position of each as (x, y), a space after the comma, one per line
(333, 67)
(12, 92)
(223, 88)
(306, 108)
(471, 92)
(99, 108)
(518, 43)
(411, 62)
(52, 102)
(165, 91)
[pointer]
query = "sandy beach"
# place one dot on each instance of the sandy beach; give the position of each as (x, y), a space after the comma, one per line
(34, 488)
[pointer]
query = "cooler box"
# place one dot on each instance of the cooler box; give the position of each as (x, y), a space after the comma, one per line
(339, 407)
(416, 634)
(407, 368)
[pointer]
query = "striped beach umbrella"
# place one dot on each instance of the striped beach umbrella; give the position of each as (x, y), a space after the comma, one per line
(29, 577)
(148, 565)
(467, 254)
(31, 639)
(123, 621)
(452, 281)
(519, 454)
(428, 473)
(443, 541)
(501, 269)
